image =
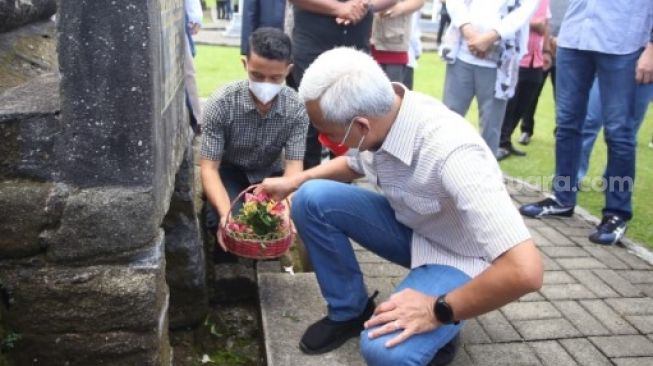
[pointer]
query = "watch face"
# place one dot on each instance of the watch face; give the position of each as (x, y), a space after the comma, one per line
(443, 311)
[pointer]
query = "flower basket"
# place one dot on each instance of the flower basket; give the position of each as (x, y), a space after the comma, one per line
(270, 239)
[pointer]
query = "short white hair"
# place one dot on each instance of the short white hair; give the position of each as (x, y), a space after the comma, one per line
(347, 83)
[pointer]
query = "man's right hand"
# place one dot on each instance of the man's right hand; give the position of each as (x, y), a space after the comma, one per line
(218, 234)
(278, 187)
(352, 12)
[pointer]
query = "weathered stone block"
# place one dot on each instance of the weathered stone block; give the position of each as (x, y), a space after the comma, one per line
(103, 225)
(29, 129)
(185, 262)
(18, 12)
(87, 299)
(107, 349)
(29, 208)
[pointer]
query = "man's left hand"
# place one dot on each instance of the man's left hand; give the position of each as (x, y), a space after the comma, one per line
(482, 43)
(547, 61)
(644, 71)
(408, 311)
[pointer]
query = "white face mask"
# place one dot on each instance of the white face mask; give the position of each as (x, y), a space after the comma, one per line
(264, 92)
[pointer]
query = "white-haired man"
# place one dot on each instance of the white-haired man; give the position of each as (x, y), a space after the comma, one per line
(444, 213)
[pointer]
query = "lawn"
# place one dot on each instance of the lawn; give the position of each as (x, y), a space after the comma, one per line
(217, 65)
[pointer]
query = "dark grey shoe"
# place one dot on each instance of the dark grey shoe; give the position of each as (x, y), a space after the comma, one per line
(326, 335)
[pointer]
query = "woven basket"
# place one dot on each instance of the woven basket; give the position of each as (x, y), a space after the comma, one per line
(253, 247)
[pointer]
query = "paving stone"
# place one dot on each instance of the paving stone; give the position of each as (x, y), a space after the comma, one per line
(646, 288)
(554, 236)
(557, 278)
(532, 296)
(593, 283)
(624, 346)
(606, 257)
(552, 354)
(546, 329)
(637, 277)
(644, 323)
(539, 240)
(608, 317)
(530, 222)
(461, 358)
(632, 306)
(566, 292)
(498, 327)
(618, 283)
(633, 361)
(549, 264)
(584, 352)
(364, 256)
(473, 333)
(564, 252)
(386, 269)
(581, 319)
(583, 240)
(530, 311)
(578, 230)
(580, 263)
(630, 259)
(506, 354)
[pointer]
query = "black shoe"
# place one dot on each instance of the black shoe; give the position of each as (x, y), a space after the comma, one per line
(326, 335)
(524, 138)
(447, 353)
(547, 207)
(611, 229)
(516, 152)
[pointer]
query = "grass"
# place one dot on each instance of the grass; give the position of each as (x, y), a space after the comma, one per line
(217, 65)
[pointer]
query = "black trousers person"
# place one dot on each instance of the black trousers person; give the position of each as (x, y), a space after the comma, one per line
(526, 93)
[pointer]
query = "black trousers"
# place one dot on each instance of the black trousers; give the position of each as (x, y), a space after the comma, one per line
(526, 92)
(528, 120)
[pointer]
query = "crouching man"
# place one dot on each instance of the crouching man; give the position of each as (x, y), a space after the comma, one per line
(444, 213)
(253, 128)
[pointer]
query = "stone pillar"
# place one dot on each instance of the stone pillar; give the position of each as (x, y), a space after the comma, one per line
(87, 170)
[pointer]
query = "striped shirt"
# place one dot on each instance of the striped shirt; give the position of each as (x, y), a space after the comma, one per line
(442, 181)
(235, 133)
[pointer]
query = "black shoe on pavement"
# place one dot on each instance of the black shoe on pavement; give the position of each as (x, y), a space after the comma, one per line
(611, 229)
(547, 207)
(326, 335)
(447, 353)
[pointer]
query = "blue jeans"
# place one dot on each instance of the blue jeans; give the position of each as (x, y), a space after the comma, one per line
(593, 121)
(327, 214)
(576, 70)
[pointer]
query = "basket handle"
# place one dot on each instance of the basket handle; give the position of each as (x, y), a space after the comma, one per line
(240, 195)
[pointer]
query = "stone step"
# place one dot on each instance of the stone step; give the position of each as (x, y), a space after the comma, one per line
(289, 304)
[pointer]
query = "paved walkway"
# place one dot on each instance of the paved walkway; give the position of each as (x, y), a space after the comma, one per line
(595, 308)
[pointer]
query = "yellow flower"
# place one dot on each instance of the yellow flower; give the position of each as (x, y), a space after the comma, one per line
(249, 207)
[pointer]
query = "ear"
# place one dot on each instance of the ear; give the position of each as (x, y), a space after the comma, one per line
(289, 69)
(363, 124)
(244, 61)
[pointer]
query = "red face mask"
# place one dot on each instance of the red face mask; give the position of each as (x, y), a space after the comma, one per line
(336, 148)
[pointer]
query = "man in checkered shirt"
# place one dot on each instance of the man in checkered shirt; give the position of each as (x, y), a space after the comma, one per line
(249, 124)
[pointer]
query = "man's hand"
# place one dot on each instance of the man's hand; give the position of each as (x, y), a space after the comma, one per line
(194, 28)
(547, 59)
(644, 71)
(407, 311)
(218, 235)
(482, 43)
(278, 188)
(352, 12)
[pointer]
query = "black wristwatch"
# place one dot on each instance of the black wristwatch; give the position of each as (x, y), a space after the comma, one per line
(442, 310)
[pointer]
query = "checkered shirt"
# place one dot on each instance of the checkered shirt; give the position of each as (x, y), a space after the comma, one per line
(235, 133)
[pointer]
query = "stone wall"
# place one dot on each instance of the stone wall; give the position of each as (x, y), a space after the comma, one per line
(95, 210)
